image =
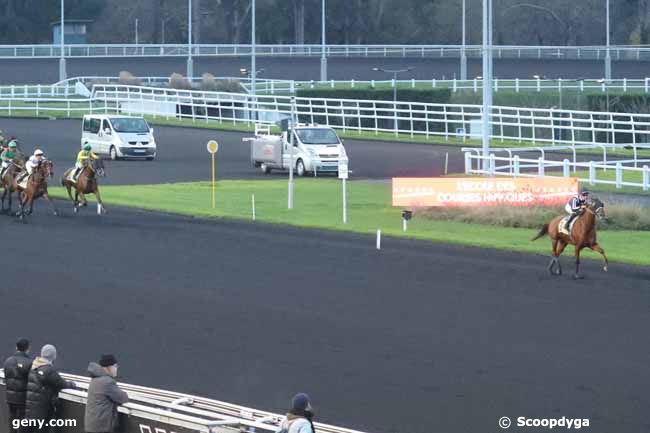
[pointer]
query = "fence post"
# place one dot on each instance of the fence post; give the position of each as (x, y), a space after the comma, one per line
(539, 87)
(624, 84)
(372, 83)
(565, 168)
(412, 83)
(516, 163)
(517, 85)
(619, 175)
(646, 177)
(645, 84)
(453, 85)
(493, 164)
(592, 173)
(475, 86)
(540, 166)
(468, 163)
(352, 83)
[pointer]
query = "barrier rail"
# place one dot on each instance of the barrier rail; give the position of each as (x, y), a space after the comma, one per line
(592, 172)
(154, 410)
(311, 50)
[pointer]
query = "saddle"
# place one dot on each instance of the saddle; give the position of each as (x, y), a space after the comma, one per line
(562, 225)
(22, 182)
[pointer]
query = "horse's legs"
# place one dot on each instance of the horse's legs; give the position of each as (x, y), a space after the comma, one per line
(84, 202)
(551, 264)
(558, 252)
(69, 188)
(599, 249)
(76, 201)
(46, 196)
(577, 275)
(100, 203)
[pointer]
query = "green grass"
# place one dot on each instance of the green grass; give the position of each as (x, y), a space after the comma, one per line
(318, 205)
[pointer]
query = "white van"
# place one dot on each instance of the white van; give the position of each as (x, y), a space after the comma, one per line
(119, 136)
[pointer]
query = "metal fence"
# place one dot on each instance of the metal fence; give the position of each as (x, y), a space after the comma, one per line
(615, 173)
(307, 50)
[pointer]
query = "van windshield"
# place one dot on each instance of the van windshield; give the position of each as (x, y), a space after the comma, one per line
(128, 124)
(317, 136)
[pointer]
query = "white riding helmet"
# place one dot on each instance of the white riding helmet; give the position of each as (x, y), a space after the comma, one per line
(38, 152)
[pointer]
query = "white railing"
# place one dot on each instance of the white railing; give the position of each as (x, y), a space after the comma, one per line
(449, 121)
(436, 51)
(614, 173)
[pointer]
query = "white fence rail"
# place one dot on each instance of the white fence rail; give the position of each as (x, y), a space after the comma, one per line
(592, 172)
(436, 51)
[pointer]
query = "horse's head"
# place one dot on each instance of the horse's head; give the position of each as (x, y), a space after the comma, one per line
(597, 207)
(47, 167)
(98, 167)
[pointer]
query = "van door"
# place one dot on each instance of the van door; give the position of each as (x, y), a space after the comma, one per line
(91, 132)
(105, 137)
(286, 154)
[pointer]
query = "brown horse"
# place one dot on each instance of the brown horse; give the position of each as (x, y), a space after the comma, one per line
(583, 235)
(86, 184)
(8, 182)
(36, 188)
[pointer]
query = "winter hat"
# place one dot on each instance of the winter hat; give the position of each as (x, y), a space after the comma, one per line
(300, 402)
(22, 344)
(48, 352)
(107, 360)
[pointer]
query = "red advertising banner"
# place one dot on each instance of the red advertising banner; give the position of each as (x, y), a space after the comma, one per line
(478, 191)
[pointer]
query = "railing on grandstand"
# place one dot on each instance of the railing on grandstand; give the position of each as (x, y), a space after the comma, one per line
(436, 51)
(591, 172)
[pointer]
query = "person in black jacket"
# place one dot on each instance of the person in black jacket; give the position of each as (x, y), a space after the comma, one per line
(43, 386)
(16, 370)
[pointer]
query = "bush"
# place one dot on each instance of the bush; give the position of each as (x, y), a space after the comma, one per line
(619, 216)
(208, 82)
(128, 79)
(437, 96)
(178, 81)
(230, 86)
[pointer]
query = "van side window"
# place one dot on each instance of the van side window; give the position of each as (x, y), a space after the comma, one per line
(93, 126)
(105, 125)
(87, 121)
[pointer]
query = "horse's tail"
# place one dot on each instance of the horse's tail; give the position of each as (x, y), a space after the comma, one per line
(542, 232)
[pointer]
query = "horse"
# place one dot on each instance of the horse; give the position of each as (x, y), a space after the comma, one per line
(8, 182)
(86, 184)
(36, 188)
(583, 235)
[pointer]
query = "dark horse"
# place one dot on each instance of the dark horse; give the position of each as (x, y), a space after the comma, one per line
(583, 235)
(86, 184)
(36, 188)
(8, 182)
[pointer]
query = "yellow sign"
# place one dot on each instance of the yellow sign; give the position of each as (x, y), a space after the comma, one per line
(213, 146)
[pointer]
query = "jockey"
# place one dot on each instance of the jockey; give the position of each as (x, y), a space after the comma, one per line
(82, 158)
(7, 157)
(575, 206)
(33, 162)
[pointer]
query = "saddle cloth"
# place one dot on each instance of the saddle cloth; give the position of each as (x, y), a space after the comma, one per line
(23, 182)
(70, 175)
(562, 225)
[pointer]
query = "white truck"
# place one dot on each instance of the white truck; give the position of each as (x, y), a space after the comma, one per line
(316, 149)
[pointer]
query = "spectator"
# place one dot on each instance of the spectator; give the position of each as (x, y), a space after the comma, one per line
(16, 370)
(299, 418)
(43, 386)
(103, 396)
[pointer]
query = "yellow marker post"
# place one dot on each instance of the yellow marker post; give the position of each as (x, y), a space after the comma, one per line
(213, 147)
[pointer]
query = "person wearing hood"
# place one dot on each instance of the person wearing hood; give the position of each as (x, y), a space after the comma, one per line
(104, 396)
(43, 386)
(299, 419)
(16, 369)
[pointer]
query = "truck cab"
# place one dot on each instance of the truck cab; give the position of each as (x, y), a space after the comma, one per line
(316, 149)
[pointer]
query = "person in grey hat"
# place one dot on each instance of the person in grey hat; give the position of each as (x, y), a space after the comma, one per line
(43, 386)
(104, 396)
(300, 416)
(16, 369)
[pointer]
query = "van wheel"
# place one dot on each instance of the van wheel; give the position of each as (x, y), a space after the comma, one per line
(113, 153)
(265, 168)
(300, 168)
(149, 158)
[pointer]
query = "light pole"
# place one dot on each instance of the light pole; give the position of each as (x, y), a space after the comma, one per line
(253, 49)
(463, 55)
(487, 79)
(164, 21)
(62, 71)
(136, 32)
(190, 61)
(394, 72)
(323, 58)
(608, 57)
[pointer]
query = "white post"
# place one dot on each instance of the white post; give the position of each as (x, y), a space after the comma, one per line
(619, 175)
(62, 66)
(592, 173)
(487, 82)
(540, 166)
(379, 239)
(345, 203)
(608, 57)
(136, 33)
(446, 162)
(253, 205)
(404, 224)
(565, 168)
(646, 178)
(190, 62)
(253, 49)
(516, 164)
(290, 132)
(323, 58)
(463, 54)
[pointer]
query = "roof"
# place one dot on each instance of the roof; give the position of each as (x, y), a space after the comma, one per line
(56, 23)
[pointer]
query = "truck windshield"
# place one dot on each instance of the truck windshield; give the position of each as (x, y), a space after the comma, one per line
(317, 136)
(128, 124)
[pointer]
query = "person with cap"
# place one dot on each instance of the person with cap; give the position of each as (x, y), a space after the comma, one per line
(104, 396)
(33, 162)
(8, 156)
(84, 155)
(299, 419)
(43, 386)
(575, 207)
(16, 369)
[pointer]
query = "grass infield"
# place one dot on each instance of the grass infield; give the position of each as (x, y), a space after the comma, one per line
(318, 205)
